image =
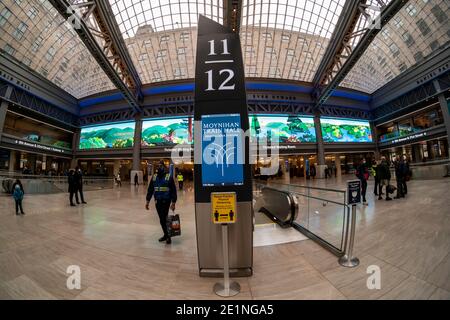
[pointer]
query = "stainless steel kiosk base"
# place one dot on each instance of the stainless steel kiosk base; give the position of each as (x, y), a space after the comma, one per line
(233, 290)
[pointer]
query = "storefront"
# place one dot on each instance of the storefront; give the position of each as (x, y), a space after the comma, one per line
(31, 146)
(421, 136)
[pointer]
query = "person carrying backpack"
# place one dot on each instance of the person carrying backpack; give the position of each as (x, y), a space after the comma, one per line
(18, 196)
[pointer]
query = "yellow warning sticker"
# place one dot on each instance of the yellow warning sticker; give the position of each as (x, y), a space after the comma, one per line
(223, 205)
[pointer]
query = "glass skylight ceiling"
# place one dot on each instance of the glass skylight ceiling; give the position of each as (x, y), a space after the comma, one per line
(283, 39)
(34, 33)
(286, 38)
(419, 29)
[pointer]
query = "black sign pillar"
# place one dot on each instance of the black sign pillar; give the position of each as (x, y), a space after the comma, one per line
(221, 151)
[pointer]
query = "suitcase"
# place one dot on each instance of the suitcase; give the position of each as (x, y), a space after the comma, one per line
(390, 189)
(173, 225)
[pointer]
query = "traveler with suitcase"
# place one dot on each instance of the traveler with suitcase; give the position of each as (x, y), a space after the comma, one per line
(163, 187)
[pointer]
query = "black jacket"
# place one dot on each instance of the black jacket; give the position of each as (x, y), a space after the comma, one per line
(384, 172)
(72, 180)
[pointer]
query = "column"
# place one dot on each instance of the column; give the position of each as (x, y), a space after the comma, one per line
(136, 167)
(373, 128)
(337, 162)
(4, 109)
(12, 160)
(75, 141)
(320, 169)
(445, 112)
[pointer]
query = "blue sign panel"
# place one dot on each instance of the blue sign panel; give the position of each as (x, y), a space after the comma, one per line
(222, 150)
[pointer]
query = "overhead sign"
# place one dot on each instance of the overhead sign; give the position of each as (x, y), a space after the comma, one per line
(223, 207)
(353, 192)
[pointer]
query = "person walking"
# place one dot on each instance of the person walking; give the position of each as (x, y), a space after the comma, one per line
(313, 171)
(180, 179)
(362, 172)
(79, 184)
(399, 176)
(71, 179)
(136, 180)
(163, 187)
(407, 174)
(384, 174)
(376, 176)
(118, 180)
(17, 194)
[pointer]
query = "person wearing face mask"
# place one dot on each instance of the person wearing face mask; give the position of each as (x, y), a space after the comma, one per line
(162, 186)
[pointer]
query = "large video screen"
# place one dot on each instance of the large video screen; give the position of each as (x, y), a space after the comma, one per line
(288, 128)
(222, 150)
(343, 130)
(167, 131)
(116, 135)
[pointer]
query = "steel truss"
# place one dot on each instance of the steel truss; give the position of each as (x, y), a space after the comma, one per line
(26, 100)
(415, 97)
(336, 68)
(258, 107)
(96, 26)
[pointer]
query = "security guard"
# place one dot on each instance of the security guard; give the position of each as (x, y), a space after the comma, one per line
(163, 186)
(180, 180)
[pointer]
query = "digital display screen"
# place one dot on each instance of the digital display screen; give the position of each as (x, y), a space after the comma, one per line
(222, 150)
(288, 128)
(167, 131)
(343, 130)
(117, 135)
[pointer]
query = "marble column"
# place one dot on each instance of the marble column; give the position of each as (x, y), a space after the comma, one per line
(4, 109)
(136, 167)
(75, 142)
(337, 162)
(373, 128)
(320, 169)
(12, 160)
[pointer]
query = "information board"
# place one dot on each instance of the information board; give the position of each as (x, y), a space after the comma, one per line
(222, 160)
(223, 207)
(353, 191)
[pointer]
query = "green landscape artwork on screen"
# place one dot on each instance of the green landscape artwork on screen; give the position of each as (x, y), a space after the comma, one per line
(117, 135)
(167, 131)
(343, 130)
(288, 128)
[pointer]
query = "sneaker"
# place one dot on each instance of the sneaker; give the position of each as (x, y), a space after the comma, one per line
(23, 213)
(163, 238)
(73, 205)
(169, 241)
(84, 202)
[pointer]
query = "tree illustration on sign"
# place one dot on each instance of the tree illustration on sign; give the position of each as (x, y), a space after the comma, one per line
(220, 152)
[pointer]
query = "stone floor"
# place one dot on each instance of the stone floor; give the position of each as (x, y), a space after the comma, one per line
(114, 242)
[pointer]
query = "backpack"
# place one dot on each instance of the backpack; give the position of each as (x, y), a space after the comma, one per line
(18, 194)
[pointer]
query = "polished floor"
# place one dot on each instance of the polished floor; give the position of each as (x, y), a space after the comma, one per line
(114, 242)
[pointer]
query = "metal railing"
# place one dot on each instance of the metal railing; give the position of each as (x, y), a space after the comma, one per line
(323, 214)
(52, 184)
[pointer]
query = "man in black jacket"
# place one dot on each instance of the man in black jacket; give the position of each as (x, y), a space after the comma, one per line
(400, 172)
(71, 179)
(79, 184)
(163, 187)
(385, 176)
